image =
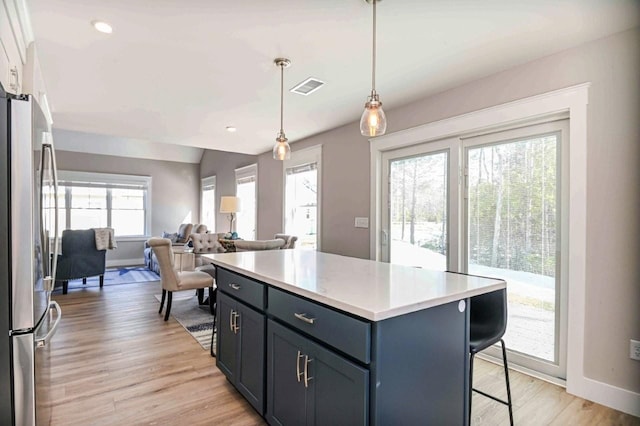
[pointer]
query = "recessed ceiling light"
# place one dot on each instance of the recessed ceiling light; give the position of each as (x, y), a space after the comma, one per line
(231, 129)
(102, 26)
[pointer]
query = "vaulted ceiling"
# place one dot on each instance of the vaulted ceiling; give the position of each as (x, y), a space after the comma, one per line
(180, 71)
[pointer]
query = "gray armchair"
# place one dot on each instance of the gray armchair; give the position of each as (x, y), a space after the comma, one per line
(80, 258)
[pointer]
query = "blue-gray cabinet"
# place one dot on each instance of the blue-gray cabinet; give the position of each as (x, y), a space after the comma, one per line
(308, 384)
(300, 362)
(240, 348)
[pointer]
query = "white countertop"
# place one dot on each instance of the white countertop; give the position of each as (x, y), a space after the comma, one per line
(365, 288)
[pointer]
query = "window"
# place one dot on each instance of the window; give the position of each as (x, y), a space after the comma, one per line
(302, 203)
(208, 202)
(246, 184)
(98, 200)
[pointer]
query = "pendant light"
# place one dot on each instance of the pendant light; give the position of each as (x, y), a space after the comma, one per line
(373, 121)
(281, 150)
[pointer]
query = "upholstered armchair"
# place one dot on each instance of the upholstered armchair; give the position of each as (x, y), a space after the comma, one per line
(182, 237)
(172, 280)
(205, 244)
(80, 258)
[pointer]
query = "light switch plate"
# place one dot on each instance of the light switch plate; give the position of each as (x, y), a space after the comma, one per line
(362, 222)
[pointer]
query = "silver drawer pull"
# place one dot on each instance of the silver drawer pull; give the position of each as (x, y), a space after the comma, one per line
(306, 371)
(303, 317)
(298, 373)
(235, 286)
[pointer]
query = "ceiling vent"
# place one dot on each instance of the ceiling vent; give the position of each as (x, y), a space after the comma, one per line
(308, 86)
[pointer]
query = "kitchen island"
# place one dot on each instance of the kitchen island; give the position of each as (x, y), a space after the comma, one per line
(315, 338)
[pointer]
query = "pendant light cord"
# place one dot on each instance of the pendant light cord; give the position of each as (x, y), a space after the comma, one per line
(281, 98)
(373, 68)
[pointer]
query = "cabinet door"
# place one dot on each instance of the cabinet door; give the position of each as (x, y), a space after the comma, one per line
(250, 375)
(226, 349)
(286, 396)
(338, 390)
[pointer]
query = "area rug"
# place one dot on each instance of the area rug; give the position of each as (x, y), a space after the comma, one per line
(195, 318)
(136, 274)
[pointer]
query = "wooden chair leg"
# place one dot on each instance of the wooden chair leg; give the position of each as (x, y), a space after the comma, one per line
(168, 311)
(164, 295)
(65, 286)
(212, 301)
(101, 280)
(84, 280)
(200, 293)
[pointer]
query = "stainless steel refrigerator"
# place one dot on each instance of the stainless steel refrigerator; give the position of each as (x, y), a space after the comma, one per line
(28, 254)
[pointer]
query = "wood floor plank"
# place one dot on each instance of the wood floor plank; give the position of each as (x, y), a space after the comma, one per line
(115, 361)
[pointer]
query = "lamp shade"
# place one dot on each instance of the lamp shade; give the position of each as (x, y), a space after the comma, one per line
(229, 204)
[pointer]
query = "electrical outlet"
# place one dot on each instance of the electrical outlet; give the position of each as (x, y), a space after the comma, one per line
(634, 349)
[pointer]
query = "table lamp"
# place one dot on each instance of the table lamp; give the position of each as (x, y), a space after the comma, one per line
(230, 205)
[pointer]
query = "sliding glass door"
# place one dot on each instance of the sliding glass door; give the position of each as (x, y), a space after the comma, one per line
(511, 208)
(417, 214)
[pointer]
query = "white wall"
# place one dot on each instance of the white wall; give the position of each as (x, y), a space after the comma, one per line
(612, 65)
(175, 193)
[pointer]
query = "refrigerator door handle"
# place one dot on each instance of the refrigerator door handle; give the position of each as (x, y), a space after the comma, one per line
(56, 239)
(43, 341)
(50, 274)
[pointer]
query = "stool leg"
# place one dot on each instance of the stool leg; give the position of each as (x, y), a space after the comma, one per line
(470, 383)
(164, 294)
(84, 280)
(65, 286)
(506, 375)
(101, 280)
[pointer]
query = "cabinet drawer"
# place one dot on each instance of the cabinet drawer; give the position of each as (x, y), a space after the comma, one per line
(242, 288)
(341, 331)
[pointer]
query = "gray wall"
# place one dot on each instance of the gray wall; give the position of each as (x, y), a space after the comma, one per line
(223, 165)
(612, 65)
(175, 191)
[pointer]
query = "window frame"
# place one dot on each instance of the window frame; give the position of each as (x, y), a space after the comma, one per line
(309, 155)
(246, 172)
(108, 180)
(206, 182)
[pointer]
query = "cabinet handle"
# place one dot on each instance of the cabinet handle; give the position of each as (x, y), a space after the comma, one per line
(233, 321)
(298, 373)
(303, 317)
(306, 371)
(235, 286)
(236, 327)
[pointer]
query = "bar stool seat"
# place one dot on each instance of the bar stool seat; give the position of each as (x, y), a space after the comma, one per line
(488, 323)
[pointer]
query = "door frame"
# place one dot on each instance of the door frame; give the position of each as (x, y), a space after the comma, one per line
(571, 101)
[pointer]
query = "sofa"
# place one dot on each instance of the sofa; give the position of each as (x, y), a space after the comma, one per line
(179, 238)
(279, 242)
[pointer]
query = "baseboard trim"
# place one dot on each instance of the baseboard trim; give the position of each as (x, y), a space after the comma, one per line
(612, 396)
(124, 262)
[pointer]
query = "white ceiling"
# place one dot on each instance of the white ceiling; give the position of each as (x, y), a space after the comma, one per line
(180, 71)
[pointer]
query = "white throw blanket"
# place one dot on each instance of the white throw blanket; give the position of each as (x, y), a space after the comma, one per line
(105, 239)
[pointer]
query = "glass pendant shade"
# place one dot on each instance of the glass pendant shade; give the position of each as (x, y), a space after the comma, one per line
(373, 121)
(281, 150)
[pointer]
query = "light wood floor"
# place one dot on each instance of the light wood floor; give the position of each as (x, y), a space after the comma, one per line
(114, 361)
